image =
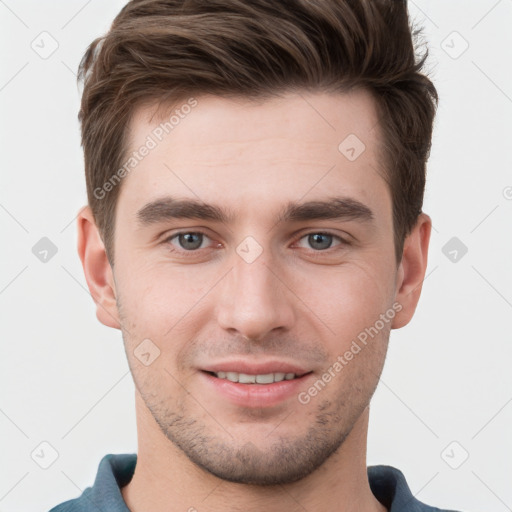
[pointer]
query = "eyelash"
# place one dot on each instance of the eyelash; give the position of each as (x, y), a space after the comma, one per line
(194, 252)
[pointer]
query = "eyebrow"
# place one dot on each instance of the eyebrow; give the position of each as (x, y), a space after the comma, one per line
(169, 208)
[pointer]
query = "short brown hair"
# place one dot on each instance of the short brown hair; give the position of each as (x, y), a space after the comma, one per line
(168, 50)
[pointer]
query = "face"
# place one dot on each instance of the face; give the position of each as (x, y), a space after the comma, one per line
(284, 282)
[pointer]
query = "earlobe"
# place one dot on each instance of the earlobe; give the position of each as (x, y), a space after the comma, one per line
(411, 271)
(97, 269)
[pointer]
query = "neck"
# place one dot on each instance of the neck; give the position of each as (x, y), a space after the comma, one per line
(165, 480)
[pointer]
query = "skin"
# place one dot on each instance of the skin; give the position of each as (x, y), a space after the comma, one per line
(296, 302)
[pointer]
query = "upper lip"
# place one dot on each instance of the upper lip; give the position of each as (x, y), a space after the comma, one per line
(252, 368)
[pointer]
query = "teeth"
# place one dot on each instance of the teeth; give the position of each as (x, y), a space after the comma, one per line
(232, 376)
(244, 378)
(265, 379)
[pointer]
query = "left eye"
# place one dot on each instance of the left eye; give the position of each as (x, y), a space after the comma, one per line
(320, 241)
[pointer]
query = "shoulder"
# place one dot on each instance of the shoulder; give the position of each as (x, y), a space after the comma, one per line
(114, 472)
(390, 487)
(79, 504)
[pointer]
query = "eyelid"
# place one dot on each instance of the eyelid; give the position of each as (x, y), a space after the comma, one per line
(327, 231)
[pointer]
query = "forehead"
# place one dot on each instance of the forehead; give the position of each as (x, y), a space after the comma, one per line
(274, 150)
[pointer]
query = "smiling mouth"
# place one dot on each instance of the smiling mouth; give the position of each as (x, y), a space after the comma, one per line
(245, 378)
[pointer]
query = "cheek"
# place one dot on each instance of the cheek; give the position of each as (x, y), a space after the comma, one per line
(348, 300)
(160, 305)
(151, 292)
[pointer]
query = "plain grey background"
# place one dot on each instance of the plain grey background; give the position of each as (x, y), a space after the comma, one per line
(443, 410)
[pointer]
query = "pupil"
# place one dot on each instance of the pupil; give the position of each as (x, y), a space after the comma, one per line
(317, 237)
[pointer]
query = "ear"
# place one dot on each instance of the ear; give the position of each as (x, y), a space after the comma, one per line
(97, 269)
(411, 271)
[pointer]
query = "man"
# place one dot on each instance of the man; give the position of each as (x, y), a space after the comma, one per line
(255, 174)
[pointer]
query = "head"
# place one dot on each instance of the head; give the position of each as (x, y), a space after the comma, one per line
(255, 175)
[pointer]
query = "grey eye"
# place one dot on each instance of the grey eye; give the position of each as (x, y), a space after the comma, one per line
(190, 241)
(320, 240)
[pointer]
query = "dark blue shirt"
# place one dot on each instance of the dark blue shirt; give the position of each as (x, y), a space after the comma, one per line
(115, 471)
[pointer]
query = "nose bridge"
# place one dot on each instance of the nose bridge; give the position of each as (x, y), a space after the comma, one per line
(254, 301)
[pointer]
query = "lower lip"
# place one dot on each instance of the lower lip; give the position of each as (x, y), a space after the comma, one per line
(256, 395)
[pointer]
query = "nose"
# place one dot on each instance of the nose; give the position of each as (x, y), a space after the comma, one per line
(255, 300)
